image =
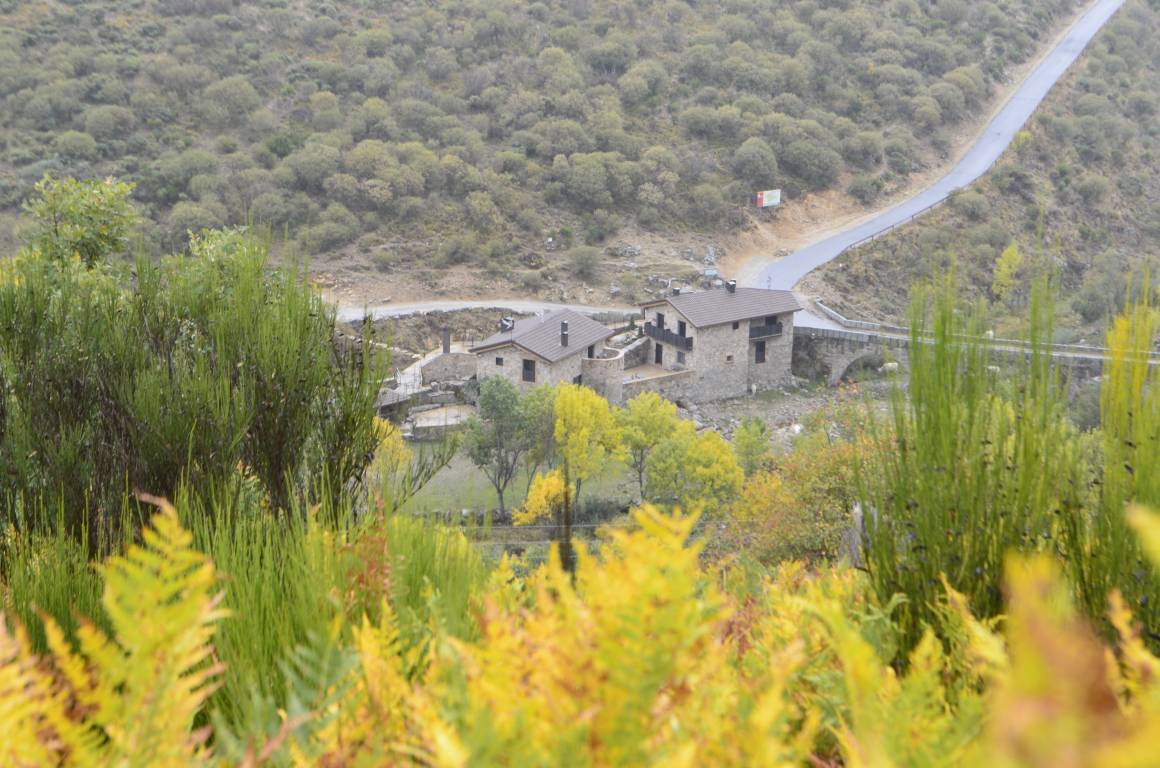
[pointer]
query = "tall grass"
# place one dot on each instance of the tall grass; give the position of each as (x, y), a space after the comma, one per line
(979, 459)
(1106, 555)
(287, 580)
(976, 462)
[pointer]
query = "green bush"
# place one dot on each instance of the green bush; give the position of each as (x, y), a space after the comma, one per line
(181, 370)
(585, 262)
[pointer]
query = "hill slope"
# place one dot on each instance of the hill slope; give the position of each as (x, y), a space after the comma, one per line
(1078, 194)
(469, 132)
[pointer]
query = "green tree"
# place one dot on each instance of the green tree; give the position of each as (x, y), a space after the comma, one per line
(90, 220)
(539, 406)
(497, 439)
(646, 421)
(751, 444)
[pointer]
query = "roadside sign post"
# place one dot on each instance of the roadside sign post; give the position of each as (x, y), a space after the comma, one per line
(769, 199)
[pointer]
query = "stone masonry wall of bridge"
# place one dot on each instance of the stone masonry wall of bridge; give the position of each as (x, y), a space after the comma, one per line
(832, 355)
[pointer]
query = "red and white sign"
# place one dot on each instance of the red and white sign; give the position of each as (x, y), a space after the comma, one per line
(769, 198)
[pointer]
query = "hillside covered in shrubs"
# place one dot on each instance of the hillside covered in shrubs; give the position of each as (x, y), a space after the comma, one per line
(396, 125)
(1077, 196)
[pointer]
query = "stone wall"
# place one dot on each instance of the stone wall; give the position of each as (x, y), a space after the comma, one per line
(677, 386)
(605, 374)
(565, 370)
(637, 353)
(776, 370)
(451, 366)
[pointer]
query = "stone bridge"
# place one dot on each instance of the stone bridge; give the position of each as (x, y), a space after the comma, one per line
(837, 353)
(833, 355)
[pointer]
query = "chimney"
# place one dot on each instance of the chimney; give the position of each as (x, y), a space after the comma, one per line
(731, 286)
(676, 291)
(563, 333)
(446, 341)
(506, 324)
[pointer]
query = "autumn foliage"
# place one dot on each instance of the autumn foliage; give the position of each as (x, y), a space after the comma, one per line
(645, 658)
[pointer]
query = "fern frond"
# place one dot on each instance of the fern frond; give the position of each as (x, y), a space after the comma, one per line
(29, 703)
(154, 675)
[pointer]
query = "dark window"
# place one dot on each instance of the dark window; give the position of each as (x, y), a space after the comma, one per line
(681, 328)
(728, 358)
(591, 351)
(736, 325)
(499, 361)
(659, 357)
(759, 353)
(530, 370)
(660, 320)
(680, 357)
(578, 380)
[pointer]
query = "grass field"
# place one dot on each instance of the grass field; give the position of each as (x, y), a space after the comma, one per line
(461, 495)
(462, 486)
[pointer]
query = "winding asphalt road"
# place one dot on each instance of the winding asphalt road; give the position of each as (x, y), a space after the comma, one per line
(787, 272)
(998, 135)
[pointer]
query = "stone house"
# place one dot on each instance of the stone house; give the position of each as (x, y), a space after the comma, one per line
(731, 341)
(556, 347)
(697, 347)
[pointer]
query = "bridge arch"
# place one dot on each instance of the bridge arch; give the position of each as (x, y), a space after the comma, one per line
(872, 358)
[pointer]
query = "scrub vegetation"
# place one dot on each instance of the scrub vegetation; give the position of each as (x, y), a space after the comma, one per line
(1076, 197)
(470, 132)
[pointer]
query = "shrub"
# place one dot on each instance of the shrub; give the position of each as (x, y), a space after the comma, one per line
(204, 362)
(75, 145)
(585, 262)
(1093, 189)
(793, 665)
(755, 163)
(816, 165)
(865, 189)
(973, 204)
(108, 123)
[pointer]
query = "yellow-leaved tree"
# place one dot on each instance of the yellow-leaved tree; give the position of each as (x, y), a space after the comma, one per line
(800, 507)
(646, 421)
(698, 471)
(1006, 277)
(586, 439)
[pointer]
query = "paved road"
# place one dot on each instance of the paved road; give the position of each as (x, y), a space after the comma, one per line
(349, 313)
(787, 272)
